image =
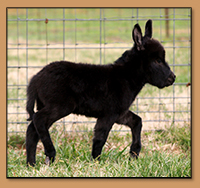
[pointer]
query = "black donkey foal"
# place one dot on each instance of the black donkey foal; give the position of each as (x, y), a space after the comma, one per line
(101, 91)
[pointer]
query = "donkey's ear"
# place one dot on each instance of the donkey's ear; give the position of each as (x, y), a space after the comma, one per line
(148, 29)
(137, 37)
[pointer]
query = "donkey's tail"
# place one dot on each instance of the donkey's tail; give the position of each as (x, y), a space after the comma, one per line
(31, 97)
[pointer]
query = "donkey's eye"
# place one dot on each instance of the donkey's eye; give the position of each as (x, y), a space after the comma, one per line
(158, 60)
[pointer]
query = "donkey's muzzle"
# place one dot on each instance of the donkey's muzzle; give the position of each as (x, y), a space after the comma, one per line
(171, 79)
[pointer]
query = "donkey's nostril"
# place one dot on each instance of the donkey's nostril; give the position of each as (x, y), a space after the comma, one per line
(173, 76)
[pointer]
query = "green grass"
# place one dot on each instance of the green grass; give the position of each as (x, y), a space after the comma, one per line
(164, 154)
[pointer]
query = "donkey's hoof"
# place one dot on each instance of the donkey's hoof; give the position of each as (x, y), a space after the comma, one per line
(49, 160)
(134, 155)
(30, 164)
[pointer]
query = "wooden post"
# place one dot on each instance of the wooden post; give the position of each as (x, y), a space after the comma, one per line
(167, 22)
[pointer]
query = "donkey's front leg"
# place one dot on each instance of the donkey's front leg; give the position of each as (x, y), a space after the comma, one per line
(101, 131)
(135, 123)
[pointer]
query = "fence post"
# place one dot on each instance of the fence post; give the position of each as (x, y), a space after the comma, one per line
(167, 22)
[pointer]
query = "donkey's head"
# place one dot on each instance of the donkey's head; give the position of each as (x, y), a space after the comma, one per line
(156, 70)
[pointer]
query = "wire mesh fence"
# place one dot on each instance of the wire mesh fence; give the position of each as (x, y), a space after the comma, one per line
(36, 37)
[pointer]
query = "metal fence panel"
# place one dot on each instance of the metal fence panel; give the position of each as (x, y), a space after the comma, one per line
(36, 37)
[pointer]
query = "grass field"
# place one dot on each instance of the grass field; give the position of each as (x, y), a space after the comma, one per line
(165, 153)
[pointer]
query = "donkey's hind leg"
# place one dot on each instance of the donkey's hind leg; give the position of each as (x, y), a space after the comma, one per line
(42, 124)
(43, 120)
(32, 139)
